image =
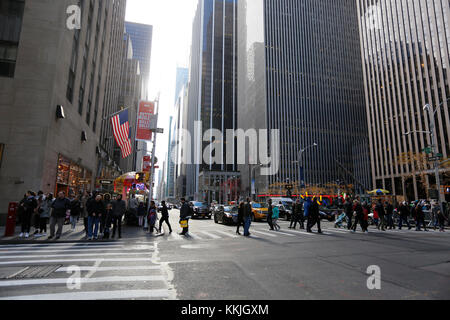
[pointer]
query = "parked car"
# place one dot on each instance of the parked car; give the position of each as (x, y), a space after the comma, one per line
(259, 211)
(200, 209)
(226, 215)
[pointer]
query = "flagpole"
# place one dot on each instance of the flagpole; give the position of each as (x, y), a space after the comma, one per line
(112, 115)
(152, 168)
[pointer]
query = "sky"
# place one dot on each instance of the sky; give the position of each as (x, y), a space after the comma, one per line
(172, 33)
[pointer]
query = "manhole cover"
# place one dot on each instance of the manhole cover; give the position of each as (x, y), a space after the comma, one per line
(35, 272)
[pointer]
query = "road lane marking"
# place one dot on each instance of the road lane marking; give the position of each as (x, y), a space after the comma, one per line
(96, 295)
(75, 260)
(72, 255)
(211, 235)
(264, 233)
(30, 282)
(194, 236)
(113, 268)
(76, 249)
(227, 234)
(303, 233)
(287, 234)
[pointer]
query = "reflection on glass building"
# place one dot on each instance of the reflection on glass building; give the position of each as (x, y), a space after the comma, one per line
(405, 46)
(300, 72)
(212, 91)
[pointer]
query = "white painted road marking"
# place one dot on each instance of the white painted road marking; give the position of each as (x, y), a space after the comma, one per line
(76, 249)
(74, 255)
(227, 234)
(28, 282)
(74, 260)
(264, 233)
(96, 295)
(113, 268)
(211, 235)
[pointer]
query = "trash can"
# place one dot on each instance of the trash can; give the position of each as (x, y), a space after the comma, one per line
(11, 219)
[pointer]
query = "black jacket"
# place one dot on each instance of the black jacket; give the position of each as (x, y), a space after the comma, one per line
(97, 207)
(314, 210)
(247, 210)
(241, 212)
(404, 211)
(75, 208)
(380, 209)
(60, 207)
(185, 211)
(164, 212)
(118, 208)
(30, 204)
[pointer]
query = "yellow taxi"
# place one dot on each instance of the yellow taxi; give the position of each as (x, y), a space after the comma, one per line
(259, 211)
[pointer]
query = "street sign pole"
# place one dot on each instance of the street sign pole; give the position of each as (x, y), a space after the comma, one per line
(152, 169)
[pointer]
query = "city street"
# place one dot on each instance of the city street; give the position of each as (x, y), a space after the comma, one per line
(215, 263)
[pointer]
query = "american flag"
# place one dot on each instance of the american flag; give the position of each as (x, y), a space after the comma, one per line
(121, 130)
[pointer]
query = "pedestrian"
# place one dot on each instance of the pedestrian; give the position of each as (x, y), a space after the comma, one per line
(403, 212)
(95, 212)
(420, 217)
(29, 205)
(185, 214)
(108, 221)
(164, 217)
(306, 210)
(106, 201)
(83, 213)
(75, 211)
(389, 209)
(435, 214)
(119, 207)
(240, 219)
(152, 216)
(275, 217)
(314, 216)
(359, 216)
(296, 213)
(133, 205)
(141, 213)
(247, 218)
(366, 211)
(441, 220)
(381, 214)
(45, 212)
(36, 214)
(60, 206)
(269, 214)
(348, 207)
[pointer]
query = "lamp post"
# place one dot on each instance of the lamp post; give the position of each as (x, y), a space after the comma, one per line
(300, 162)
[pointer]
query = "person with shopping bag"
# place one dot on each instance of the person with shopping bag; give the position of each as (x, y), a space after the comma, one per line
(185, 215)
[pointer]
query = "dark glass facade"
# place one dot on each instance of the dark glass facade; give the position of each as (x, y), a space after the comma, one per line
(299, 72)
(213, 79)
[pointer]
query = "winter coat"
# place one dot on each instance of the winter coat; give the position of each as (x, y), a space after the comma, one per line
(141, 211)
(118, 208)
(164, 212)
(380, 210)
(247, 210)
(307, 207)
(275, 213)
(75, 208)
(152, 216)
(30, 205)
(98, 208)
(60, 207)
(185, 211)
(46, 208)
(314, 210)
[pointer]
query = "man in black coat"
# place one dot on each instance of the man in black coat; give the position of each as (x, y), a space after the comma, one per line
(240, 221)
(60, 207)
(164, 217)
(404, 213)
(119, 208)
(247, 217)
(29, 206)
(269, 215)
(297, 215)
(314, 216)
(348, 207)
(359, 218)
(95, 211)
(381, 214)
(185, 214)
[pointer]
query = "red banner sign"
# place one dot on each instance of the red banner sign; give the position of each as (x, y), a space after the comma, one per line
(146, 112)
(146, 164)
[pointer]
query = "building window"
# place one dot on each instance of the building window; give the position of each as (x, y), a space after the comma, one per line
(2, 149)
(11, 14)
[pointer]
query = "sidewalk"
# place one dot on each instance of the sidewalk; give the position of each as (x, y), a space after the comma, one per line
(69, 236)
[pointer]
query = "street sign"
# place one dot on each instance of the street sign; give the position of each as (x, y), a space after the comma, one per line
(427, 150)
(106, 182)
(432, 159)
(158, 130)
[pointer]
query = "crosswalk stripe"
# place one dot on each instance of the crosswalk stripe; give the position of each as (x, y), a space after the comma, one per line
(264, 233)
(75, 260)
(175, 236)
(287, 234)
(96, 295)
(227, 234)
(303, 233)
(55, 245)
(75, 249)
(27, 282)
(74, 255)
(113, 268)
(194, 236)
(210, 235)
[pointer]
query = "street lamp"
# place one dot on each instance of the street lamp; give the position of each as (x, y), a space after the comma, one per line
(300, 154)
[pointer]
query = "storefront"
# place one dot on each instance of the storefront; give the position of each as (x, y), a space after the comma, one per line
(71, 176)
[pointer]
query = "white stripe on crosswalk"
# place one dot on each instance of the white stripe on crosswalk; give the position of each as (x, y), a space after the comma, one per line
(76, 249)
(74, 260)
(227, 234)
(96, 295)
(209, 234)
(264, 233)
(286, 234)
(194, 236)
(74, 255)
(113, 268)
(303, 233)
(53, 244)
(28, 282)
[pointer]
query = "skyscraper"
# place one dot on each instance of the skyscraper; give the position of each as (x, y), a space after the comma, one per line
(405, 47)
(212, 89)
(299, 72)
(141, 38)
(181, 81)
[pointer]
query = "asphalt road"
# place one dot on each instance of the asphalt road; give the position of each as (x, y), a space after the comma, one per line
(215, 263)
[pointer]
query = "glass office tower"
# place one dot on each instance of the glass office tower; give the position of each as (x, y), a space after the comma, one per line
(405, 47)
(300, 72)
